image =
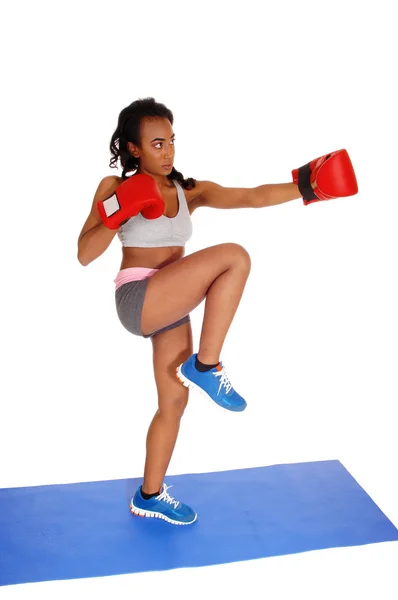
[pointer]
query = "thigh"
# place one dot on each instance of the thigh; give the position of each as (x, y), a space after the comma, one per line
(129, 299)
(170, 349)
(178, 288)
(176, 324)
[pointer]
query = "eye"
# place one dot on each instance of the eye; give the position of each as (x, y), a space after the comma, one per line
(159, 144)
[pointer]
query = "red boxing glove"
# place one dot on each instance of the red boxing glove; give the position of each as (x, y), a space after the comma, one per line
(334, 176)
(138, 194)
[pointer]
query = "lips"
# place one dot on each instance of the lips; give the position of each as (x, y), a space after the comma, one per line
(167, 166)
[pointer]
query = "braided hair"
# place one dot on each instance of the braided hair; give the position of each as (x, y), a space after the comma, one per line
(128, 130)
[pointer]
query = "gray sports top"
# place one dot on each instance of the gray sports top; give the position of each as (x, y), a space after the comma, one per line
(151, 233)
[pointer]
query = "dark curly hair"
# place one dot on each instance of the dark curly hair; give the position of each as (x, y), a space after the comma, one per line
(128, 130)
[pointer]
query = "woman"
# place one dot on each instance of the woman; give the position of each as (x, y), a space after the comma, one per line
(157, 286)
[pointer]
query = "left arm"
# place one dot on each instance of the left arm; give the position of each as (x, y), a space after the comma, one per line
(336, 180)
(212, 195)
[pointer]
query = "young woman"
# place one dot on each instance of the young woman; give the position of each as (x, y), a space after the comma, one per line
(157, 286)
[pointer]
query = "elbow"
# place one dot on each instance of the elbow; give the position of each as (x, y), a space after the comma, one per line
(82, 255)
(83, 260)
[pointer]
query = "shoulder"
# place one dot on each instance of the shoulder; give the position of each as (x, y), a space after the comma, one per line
(196, 191)
(106, 187)
(109, 182)
(200, 188)
(191, 195)
(198, 195)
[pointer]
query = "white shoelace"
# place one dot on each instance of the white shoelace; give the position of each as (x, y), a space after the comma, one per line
(224, 381)
(166, 497)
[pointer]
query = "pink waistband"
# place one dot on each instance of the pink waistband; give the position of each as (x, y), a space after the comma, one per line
(133, 274)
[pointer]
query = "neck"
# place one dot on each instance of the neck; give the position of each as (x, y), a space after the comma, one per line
(161, 180)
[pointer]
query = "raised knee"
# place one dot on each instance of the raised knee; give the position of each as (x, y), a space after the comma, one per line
(239, 255)
(173, 408)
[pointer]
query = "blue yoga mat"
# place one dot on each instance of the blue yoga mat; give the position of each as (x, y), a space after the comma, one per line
(79, 530)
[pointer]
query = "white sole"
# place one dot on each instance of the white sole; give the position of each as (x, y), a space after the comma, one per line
(189, 384)
(139, 512)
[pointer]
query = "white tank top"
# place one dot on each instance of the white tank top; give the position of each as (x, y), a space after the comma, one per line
(153, 233)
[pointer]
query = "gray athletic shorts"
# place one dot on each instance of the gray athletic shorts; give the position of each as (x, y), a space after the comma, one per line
(129, 299)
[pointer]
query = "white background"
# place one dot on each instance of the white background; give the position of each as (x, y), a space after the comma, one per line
(256, 89)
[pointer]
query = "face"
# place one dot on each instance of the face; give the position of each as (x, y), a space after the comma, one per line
(156, 152)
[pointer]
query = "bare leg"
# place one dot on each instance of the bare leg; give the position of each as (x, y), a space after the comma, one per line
(186, 282)
(170, 349)
(160, 443)
(223, 296)
(222, 302)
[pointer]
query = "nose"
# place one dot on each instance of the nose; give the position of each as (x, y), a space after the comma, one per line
(169, 153)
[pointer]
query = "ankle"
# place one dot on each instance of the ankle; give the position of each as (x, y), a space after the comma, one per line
(150, 489)
(205, 367)
(208, 359)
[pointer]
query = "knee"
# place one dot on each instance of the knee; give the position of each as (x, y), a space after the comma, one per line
(173, 408)
(239, 255)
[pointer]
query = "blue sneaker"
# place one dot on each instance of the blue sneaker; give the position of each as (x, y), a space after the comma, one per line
(214, 384)
(162, 507)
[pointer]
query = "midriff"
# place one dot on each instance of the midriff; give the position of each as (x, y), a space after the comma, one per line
(153, 258)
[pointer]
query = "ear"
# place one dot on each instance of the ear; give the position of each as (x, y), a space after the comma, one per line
(133, 149)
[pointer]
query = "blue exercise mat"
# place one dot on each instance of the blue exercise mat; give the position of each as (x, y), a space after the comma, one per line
(79, 530)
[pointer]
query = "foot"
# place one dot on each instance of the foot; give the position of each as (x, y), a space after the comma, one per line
(214, 384)
(162, 507)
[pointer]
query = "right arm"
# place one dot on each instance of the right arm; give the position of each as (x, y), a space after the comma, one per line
(94, 237)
